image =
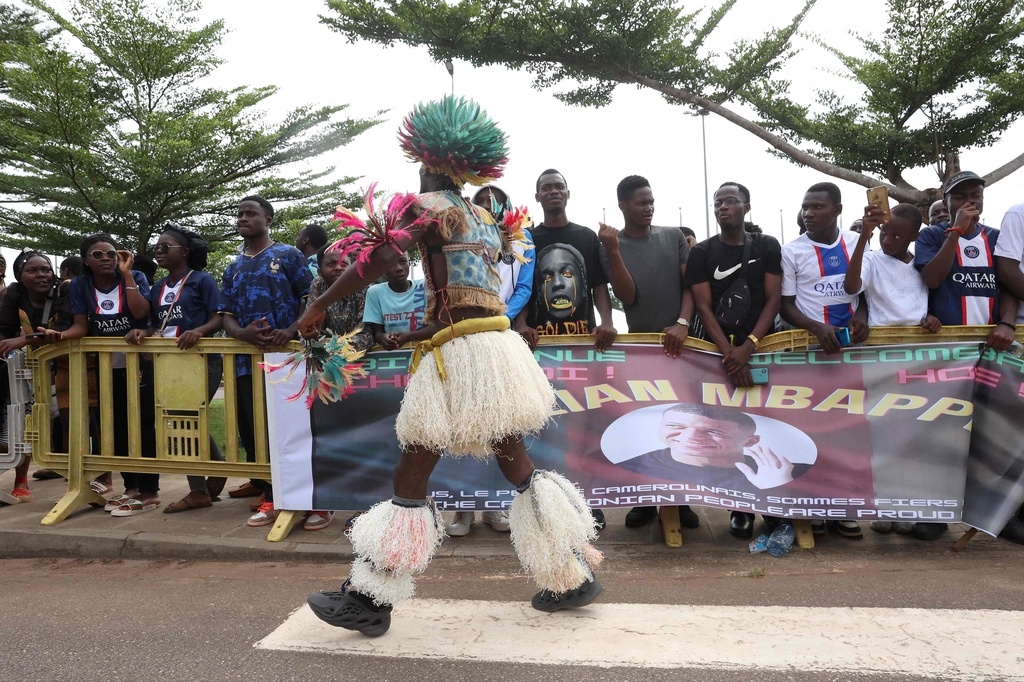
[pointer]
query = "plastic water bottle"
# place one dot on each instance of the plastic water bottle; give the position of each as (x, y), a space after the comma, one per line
(781, 540)
(1016, 349)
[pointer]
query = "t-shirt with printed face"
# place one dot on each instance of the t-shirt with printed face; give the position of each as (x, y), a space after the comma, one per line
(816, 275)
(1011, 243)
(188, 303)
(969, 293)
(396, 311)
(718, 264)
(270, 284)
(568, 269)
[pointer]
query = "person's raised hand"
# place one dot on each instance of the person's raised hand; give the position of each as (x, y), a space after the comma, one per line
(930, 323)
(966, 218)
(188, 339)
(135, 336)
(609, 237)
(604, 337)
(675, 338)
(772, 470)
(1000, 337)
(873, 217)
(125, 260)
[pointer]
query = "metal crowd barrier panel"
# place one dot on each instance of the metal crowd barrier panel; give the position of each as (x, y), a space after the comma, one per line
(19, 382)
(181, 408)
(181, 416)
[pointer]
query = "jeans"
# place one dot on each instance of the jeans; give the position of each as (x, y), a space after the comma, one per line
(246, 428)
(214, 371)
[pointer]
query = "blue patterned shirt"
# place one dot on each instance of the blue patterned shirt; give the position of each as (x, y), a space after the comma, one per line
(270, 284)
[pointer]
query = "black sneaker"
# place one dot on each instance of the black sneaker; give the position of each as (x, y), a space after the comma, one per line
(599, 517)
(641, 516)
(546, 600)
(688, 518)
(929, 531)
(350, 610)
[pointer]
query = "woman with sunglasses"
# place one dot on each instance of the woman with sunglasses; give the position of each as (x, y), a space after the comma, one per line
(110, 299)
(184, 306)
(30, 306)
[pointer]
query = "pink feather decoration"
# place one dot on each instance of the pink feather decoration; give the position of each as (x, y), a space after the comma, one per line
(381, 227)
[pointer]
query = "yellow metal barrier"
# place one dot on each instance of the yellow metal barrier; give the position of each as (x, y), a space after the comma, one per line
(181, 409)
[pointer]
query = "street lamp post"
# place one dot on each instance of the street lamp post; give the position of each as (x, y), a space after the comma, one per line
(704, 143)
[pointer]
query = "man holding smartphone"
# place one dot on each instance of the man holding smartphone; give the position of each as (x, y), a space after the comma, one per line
(814, 293)
(724, 264)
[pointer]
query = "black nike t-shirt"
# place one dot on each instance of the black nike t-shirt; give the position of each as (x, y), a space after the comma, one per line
(718, 263)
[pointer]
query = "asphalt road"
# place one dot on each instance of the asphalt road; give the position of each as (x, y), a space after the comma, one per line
(116, 620)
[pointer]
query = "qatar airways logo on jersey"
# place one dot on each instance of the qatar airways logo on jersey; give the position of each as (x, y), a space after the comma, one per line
(975, 280)
(831, 289)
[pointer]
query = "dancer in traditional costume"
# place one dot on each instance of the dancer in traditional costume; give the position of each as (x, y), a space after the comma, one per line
(476, 388)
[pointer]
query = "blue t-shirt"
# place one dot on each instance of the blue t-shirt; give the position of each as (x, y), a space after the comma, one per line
(108, 311)
(270, 284)
(396, 312)
(969, 294)
(196, 303)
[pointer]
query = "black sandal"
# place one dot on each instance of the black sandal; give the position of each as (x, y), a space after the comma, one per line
(546, 600)
(350, 610)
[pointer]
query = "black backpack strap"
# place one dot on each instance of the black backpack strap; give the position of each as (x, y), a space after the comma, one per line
(748, 242)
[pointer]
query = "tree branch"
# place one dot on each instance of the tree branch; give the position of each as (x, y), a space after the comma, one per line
(1004, 170)
(793, 152)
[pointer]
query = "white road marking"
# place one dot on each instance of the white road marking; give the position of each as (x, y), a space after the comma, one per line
(948, 643)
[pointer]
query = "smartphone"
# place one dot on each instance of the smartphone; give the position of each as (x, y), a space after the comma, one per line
(35, 335)
(759, 375)
(879, 198)
(843, 336)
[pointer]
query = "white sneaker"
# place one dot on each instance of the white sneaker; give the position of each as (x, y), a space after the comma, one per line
(461, 524)
(497, 520)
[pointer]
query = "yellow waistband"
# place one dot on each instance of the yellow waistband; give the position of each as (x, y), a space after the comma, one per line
(473, 325)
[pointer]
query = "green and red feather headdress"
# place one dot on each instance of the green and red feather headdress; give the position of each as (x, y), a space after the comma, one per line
(455, 137)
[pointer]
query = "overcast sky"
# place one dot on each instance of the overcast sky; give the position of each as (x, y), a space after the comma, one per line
(283, 43)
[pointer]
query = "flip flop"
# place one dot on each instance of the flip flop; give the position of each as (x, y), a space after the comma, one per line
(185, 504)
(133, 507)
(115, 502)
(45, 474)
(22, 495)
(101, 489)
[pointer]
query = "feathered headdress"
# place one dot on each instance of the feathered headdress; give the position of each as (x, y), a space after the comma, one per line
(380, 228)
(455, 137)
(329, 368)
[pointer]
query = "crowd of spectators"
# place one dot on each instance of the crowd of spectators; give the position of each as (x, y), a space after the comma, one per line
(828, 281)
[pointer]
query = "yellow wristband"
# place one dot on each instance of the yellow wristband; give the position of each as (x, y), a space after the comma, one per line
(754, 339)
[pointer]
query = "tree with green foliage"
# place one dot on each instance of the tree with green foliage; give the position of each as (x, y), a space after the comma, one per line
(105, 125)
(943, 78)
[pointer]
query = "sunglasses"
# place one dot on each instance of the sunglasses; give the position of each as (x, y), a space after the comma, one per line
(164, 248)
(98, 255)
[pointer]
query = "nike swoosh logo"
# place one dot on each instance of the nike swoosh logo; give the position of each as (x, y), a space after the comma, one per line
(719, 274)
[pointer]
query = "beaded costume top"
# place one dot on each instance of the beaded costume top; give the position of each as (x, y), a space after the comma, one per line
(473, 247)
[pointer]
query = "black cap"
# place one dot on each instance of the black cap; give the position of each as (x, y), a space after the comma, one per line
(962, 176)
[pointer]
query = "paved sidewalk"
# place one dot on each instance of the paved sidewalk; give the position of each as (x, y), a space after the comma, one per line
(219, 533)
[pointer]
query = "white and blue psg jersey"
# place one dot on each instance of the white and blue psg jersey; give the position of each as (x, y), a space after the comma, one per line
(816, 275)
(969, 294)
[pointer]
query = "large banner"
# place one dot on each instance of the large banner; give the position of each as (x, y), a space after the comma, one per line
(914, 433)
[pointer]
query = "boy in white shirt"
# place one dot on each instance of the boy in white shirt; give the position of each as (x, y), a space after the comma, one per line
(814, 295)
(896, 294)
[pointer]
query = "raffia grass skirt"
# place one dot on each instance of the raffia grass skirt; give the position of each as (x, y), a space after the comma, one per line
(494, 390)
